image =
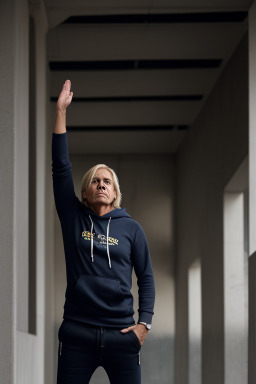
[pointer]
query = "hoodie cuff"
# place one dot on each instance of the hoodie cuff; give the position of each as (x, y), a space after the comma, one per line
(145, 317)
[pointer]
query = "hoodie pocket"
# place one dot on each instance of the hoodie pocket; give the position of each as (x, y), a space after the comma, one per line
(99, 295)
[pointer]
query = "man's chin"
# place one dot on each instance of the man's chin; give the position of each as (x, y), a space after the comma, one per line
(101, 199)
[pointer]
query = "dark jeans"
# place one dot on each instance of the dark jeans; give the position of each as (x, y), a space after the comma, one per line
(83, 348)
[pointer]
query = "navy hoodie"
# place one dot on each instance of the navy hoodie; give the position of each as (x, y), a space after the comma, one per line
(100, 253)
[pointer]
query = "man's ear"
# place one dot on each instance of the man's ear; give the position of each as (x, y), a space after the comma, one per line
(84, 195)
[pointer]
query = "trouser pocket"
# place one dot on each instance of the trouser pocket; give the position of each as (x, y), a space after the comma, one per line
(135, 339)
(60, 347)
(63, 329)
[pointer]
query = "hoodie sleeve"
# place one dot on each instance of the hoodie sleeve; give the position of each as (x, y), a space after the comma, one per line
(63, 186)
(144, 273)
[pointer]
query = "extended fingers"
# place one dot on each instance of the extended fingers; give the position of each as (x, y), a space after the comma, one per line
(67, 85)
(127, 329)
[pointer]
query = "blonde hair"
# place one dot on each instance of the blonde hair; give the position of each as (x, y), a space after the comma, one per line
(89, 175)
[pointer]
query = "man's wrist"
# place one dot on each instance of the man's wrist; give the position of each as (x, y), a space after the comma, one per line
(61, 111)
(148, 326)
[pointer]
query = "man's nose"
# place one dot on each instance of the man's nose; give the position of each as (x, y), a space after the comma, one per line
(101, 184)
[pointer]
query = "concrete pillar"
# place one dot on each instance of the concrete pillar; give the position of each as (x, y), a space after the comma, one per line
(7, 160)
(21, 352)
(252, 193)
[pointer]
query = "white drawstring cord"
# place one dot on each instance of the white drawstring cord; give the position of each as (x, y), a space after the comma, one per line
(91, 238)
(109, 262)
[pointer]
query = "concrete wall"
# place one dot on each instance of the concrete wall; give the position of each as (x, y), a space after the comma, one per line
(252, 192)
(147, 187)
(22, 350)
(7, 149)
(44, 204)
(212, 151)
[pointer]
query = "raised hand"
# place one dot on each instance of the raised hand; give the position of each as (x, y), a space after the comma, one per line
(65, 96)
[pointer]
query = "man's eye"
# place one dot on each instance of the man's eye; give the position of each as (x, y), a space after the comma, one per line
(107, 181)
(94, 181)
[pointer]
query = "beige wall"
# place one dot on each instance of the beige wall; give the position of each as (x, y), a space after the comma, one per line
(211, 153)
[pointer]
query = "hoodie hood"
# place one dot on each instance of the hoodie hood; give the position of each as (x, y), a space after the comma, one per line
(116, 213)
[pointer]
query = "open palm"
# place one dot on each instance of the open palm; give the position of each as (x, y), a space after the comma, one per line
(65, 96)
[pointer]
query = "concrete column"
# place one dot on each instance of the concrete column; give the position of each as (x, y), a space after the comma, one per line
(252, 193)
(252, 128)
(21, 353)
(7, 160)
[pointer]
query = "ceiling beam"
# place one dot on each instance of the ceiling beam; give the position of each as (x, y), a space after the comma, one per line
(159, 18)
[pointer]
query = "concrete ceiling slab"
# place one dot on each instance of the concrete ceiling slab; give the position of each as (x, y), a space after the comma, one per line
(107, 42)
(125, 142)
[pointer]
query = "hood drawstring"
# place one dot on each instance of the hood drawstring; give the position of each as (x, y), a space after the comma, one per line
(91, 238)
(109, 260)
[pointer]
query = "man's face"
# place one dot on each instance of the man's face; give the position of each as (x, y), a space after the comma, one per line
(101, 191)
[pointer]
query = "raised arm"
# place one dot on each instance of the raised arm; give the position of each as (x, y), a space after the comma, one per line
(63, 186)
